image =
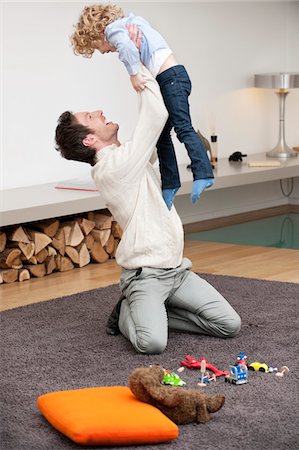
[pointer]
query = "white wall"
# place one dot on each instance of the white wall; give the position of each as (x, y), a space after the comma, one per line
(222, 44)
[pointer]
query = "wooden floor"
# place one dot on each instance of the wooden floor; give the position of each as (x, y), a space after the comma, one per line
(208, 257)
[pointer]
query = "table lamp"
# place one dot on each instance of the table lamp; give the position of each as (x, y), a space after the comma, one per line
(282, 82)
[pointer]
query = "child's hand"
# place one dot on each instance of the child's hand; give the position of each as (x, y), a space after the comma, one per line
(138, 82)
(135, 34)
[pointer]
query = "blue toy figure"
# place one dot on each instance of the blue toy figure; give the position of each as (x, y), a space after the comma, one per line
(242, 358)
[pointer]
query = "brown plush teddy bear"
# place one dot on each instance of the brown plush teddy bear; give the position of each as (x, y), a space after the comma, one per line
(180, 405)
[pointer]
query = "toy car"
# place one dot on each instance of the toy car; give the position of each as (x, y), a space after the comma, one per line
(262, 367)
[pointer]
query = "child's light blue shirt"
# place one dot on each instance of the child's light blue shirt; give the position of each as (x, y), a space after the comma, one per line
(118, 36)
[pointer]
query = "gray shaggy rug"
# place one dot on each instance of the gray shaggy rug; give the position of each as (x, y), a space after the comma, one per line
(61, 344)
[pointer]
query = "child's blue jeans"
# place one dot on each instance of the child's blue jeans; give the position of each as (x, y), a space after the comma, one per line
(175, 86)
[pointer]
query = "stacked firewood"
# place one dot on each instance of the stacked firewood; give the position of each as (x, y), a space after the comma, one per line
(41, 248)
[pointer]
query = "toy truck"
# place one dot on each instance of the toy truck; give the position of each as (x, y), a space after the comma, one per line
(237, 374)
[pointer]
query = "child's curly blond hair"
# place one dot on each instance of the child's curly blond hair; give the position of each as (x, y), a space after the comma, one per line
(91, 25)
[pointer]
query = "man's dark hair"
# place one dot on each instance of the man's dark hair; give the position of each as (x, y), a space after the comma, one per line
(69, 135)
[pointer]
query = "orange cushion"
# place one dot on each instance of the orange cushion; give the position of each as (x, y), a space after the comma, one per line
(109, 415)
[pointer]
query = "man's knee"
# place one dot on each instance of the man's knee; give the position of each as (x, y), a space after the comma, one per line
(233, 326)
(151, 345)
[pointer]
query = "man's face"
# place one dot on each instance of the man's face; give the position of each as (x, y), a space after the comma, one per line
(104, 130)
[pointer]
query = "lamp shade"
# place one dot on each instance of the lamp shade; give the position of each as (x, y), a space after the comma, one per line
(281, 80)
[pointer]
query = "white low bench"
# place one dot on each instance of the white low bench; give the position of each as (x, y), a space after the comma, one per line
(28, 204)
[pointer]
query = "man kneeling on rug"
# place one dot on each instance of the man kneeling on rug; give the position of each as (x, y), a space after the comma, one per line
(159, 289)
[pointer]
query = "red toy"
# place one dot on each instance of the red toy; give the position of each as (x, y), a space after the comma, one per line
(193, 363)
(242, 359)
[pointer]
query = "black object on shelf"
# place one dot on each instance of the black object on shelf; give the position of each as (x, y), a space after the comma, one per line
(236, 156)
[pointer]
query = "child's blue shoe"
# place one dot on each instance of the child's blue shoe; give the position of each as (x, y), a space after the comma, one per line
(168, 196)
(199, 186)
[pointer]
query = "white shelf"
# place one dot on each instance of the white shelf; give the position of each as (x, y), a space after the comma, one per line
(43, 201)
(237, 173)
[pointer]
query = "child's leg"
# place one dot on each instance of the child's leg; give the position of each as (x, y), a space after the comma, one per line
(169, 171)
(175, 87)
(167, 159)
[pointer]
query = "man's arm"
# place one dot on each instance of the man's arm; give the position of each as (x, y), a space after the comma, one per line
(135, 34)
(127, 42)
(152, 117)
(131, 162)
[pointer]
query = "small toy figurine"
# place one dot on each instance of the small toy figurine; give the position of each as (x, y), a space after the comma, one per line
(236, 156)
(237, 375)
(179, 404)
(203, 372)
(172, 378)
(284, 370)
(193, 363)
(242, 358)
(206, 379)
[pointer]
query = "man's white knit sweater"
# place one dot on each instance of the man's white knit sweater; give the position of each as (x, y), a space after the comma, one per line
(152, 235)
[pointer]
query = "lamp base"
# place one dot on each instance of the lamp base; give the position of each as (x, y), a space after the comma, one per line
(282, 152)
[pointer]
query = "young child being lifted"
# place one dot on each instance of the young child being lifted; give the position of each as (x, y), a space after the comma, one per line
(104, 27)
